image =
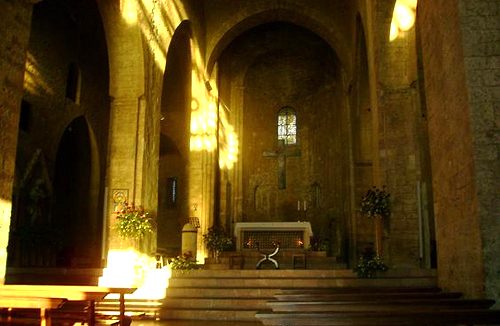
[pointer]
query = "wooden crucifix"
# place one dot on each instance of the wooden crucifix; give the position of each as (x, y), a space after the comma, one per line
(281, 154)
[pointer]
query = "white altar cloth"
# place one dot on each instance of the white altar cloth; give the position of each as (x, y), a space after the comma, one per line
(241, 227)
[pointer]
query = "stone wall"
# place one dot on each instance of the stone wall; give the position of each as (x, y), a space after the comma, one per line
(480, 36)
(460, 251)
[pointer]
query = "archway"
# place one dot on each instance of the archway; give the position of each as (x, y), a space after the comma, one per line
(72, 200)
(65, 88)
(173, 209)
(264, 70)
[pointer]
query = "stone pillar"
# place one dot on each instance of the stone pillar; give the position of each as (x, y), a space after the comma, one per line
(15, 25)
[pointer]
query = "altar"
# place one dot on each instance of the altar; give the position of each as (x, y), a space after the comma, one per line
(290, 235)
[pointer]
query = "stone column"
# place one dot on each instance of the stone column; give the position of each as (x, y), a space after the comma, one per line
(15, 25)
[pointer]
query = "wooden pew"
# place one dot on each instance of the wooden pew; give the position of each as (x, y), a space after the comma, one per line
(416, 318)
(376, 306)
(46, 305)
(90, 294)
(379, 305)
(365, 296)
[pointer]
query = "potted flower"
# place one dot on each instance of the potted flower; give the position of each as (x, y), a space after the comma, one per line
(318, 246)
(217, 240)
(369, 264)
(376, 204)
(186, 262)
(133, 222)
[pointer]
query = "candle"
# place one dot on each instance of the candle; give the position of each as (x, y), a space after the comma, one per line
(298, 205)
(305, 205)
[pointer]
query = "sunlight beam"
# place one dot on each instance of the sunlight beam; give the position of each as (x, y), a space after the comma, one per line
(5, 212)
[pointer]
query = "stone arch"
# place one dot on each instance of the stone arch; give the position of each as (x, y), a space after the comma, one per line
(126, 53)
(58, 40)
(174, 140)
(252, 203)
(75, 184)
(224, 36)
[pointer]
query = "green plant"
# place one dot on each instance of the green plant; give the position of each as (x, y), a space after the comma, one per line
(217, 240)
(184, 262)
(133, 222)
(369, 264)
(376, 202)
(317, 243)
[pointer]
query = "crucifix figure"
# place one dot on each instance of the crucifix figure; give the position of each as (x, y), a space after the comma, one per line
(281, 154)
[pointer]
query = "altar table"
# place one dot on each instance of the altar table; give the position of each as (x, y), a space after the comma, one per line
(290, 235)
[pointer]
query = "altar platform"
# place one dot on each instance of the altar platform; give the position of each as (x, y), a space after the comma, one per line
(287, 259)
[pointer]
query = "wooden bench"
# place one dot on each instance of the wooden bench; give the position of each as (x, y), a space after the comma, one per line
(377, 306)
(365, 296)
(89, 294)
(45, 305)
(441, 318)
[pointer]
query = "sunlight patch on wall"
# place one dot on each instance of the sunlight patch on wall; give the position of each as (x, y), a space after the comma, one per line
(205, 112)
(157, 21)
(228, 143)
(203, 124)
(5, 212)
(403, 18)
(128, 9)
(203, 108)
(34, 83)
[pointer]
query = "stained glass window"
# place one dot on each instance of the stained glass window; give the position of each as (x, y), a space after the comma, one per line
(287, 125)
(172, 191)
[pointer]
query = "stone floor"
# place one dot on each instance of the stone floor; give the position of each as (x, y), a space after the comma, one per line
(193, 323)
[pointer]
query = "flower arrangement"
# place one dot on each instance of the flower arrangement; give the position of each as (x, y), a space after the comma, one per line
(376, 202)
(217, 240)
(184, 263)
(133, 222)
(369, 264)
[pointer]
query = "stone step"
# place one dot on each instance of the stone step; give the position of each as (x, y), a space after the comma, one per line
(221, 292)
(208, 314)
(217, 303)
(237, 295)
(295, 282)
(290, 273)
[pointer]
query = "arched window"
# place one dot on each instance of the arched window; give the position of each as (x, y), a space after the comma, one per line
(73, 83)
(287, 126)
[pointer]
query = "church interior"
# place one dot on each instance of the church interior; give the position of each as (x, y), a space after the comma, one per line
(225, 113)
